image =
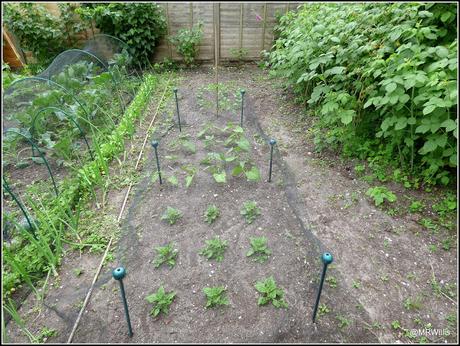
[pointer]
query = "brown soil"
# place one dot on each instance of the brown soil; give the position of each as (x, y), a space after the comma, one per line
(380, 261)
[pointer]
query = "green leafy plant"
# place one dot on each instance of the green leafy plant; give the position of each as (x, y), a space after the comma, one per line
(416, 206)
(259, 249)
(368, 99)
(323, 309)
(250, 211)
(211, 214)
(187, 42)
(239, 53)
(36, 29)
(172, 215)
(215, 296)
(380, 194)
(270, 293)
(161, 301)
(140, 25)
(214, 249)
(165, 255)
(191, 172)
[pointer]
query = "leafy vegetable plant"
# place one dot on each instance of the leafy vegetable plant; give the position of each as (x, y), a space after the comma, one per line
(165, 254)
(215, 296)
(250, 211)
(259, 250)
(161, 301)
(270, 293)
(172, 215)
(211, 214)
(214, 249)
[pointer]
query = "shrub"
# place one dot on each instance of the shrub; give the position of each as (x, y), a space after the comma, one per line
(140, 25)
(381, 78)
(36, 29)
(187, 42)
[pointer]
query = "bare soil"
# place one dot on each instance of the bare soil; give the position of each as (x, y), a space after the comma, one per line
(380, 261)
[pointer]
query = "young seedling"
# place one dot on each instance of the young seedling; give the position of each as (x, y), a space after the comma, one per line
(214, 249)
(250, 211)
(259, 249)
(165, 254)
(380, 194)
(215, 296)
(212, 213)
(270, 293)
(172, 215)
(161, 301)
(191, 172)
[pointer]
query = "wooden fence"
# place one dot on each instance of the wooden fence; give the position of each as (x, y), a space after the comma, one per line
(227, 27)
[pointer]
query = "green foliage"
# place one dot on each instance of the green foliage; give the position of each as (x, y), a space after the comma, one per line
(270, 293)
(161, 301)
(323, 309)
(380, 194)
(59, 217)
(187, 42)
(380, 78)
(140, 25)
(165, 254)
(36, 29)
(239, 53)
(215, 296)
(214, 249)
(416, 206)
(259, 249)
(250, 211)
(211, 214)
(172, 215)
(446, 205)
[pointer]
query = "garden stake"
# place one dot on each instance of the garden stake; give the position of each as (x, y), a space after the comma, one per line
(118, 274)
(272, 143)
(242, 91)
(326, 258)
(177, 108)
(155, 145)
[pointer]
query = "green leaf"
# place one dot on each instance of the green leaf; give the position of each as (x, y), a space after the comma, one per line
(253, 174)
(390, 87)
(428, 109)
(220, 177)
(449, 124)
(428, 147)
(188, 180)
(401, 123)
(173, 180)
(347, 116)
(237, 170)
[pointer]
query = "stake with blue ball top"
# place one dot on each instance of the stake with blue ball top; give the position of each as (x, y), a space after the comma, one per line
(327, 259)
(118, 274)
(272, 143)
(155, 146)
(242, 92)
(177, 108)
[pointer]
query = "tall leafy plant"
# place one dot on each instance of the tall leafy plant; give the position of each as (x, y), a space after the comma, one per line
(36, 29)
(187, 42)
(381, 80)
(140, 25)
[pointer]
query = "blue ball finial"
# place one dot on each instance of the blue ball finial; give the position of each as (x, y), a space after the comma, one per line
(242, 91)
(272, 141)
(326, 258)
(175, 90)
(119, 273)
(154, 143)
